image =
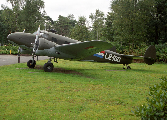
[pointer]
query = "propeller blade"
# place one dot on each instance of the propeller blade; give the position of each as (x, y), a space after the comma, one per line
(36, 40)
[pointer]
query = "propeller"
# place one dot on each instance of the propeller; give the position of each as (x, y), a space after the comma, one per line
(36, 40)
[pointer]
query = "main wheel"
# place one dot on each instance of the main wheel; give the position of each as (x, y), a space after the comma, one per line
(48, 67)
(31, 64)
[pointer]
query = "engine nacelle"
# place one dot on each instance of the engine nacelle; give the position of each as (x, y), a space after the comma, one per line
(45, 44)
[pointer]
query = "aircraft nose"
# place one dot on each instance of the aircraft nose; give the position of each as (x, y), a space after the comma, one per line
(15, 37)
(11, 37)
(21, 38)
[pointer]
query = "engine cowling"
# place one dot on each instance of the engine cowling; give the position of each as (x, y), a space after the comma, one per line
(45, 44)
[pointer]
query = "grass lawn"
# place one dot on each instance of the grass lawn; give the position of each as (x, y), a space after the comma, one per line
(75, 90)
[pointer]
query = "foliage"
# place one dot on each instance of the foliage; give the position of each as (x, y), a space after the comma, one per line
(48, 22)
(157, 31)
(108, 31)
(80, 31)
(64, 24)
(3, 30)
(25, 14)
(30, 19)
(161, 52)
(6, 49)
(130, 21)
(137, 50)
(157, 103)
(97, 19)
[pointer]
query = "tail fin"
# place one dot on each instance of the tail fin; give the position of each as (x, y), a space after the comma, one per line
(150, 55)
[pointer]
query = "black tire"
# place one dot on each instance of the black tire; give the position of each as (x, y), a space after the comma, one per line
(48, 67)
(30, 65)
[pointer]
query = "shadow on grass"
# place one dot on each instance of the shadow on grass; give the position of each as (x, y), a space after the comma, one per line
(64, 71)
(80, 72)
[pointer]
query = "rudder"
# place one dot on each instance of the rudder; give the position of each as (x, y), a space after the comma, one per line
(150, 55)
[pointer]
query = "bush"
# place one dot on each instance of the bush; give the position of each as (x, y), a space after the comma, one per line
(157, 103)
(132, 49)
(6, 49)
(161, 52)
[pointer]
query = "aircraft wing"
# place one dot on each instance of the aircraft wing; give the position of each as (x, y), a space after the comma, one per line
(83, 49)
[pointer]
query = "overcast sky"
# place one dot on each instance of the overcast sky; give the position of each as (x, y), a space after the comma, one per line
(54, 8)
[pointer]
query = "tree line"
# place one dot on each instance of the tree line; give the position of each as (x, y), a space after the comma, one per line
(130, 24)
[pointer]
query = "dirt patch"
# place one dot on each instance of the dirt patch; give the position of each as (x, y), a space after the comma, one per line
(62, 70)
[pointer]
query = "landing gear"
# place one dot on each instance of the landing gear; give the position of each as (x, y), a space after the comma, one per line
(48, 67)
(31, 63)
(127, 66)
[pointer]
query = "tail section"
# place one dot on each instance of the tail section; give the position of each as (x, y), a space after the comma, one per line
(150, 55)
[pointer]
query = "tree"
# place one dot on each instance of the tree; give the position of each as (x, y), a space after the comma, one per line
(3, 30)
(64, 24)
(25, 14)
(48, 22)
(108, 32)
(131, 18)
(158, 23)
(80, 31)
(97, 19)
(31, 15)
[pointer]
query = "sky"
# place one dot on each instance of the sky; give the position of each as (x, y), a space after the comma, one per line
(54, 8)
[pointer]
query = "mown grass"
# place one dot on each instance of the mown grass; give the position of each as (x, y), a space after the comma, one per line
(75, 90)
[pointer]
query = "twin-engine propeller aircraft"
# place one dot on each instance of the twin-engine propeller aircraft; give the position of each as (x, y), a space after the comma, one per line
(44, 43)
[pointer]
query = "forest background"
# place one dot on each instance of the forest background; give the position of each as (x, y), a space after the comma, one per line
(131, 25)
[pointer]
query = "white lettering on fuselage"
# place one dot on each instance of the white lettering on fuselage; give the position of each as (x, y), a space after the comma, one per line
(113, 57)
